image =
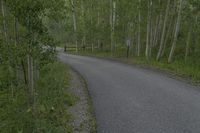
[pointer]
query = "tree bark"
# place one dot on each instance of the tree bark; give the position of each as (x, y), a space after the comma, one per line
(163, 32)
(170, 29)
(176, 32)
(188, 41)
(4, 21)
(156, 31)
(30, 80)
(24, 72)
(139, 29)
(113, 26)
(74, 23)
(148, 30)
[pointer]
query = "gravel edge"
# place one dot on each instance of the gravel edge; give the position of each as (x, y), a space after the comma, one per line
(83, 113)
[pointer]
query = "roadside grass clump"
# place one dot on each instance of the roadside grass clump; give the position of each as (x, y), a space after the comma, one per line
(189, 70)
(48, 114)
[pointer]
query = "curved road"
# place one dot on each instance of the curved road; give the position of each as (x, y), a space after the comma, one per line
(129, 99)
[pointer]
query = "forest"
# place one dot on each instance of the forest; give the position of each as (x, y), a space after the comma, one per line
(32, 82)
(161, 33)
(154, 32)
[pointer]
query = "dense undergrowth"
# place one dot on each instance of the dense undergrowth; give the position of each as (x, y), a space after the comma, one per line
(49, 112)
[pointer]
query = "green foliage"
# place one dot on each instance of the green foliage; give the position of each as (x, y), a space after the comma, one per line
(49, 114)
(5, 77)
(142, 22)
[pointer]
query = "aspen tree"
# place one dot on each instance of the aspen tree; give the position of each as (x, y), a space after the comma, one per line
(113, 14)
(163, 31)
(176, 32)
(188, 42)
(74, 23)
(139, 29)
(4, 21)
(148, 30)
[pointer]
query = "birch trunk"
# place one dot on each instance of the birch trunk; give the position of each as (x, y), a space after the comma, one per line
(148, 30)
(30, 80)
(74, 23)
(155, 31)
(92, 47)
(98, 23)
(16, 29)
(111, 11)
(4, 21)
(163, 32)
(151, 30)
(24, 72)
(139, 29)
(171, 27)
(188, 41)
(5, 32)
(113, 26)
(176, 32)
(18, 75)
(169, 31)
(83, 16)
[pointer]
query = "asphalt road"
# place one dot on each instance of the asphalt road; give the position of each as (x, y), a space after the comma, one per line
(129, 99)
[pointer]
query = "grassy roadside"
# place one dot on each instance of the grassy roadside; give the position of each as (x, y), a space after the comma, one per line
(49, 113)
(189, 71)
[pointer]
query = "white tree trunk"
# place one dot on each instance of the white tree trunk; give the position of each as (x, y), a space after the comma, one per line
(30, 80)
(4, 21)
(188, 41)
(139, 29)
(113, 26)
(98, 23)
(148, 30)
(163, 32)
(176, 32)
(169, 32)
(74, 23)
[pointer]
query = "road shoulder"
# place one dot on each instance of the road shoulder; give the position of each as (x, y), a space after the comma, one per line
(167, 72)
(83, 114)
